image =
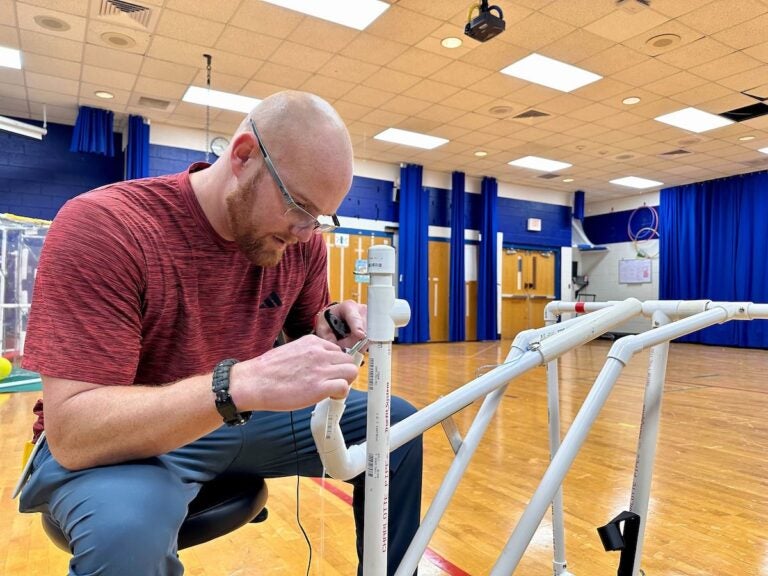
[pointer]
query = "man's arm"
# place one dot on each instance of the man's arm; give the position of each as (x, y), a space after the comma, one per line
(90, 424)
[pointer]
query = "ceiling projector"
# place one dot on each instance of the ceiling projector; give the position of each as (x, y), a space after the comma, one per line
(485, 25)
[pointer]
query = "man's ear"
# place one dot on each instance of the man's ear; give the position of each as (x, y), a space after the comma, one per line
(242, 149)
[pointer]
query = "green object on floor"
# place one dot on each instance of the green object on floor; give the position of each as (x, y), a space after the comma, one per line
(21, 380)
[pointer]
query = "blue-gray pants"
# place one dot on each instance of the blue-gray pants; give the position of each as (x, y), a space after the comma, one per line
(124, 519)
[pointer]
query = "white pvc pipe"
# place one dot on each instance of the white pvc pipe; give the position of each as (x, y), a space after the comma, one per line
(339, 461)
(621, 352)
(375, 538)
(385, 314)
(648, 437)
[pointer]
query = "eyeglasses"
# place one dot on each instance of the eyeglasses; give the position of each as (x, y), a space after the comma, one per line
(301, 217)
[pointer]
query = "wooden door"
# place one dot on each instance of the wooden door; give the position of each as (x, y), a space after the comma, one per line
(439, 284)
(347, 264)
(528, 285)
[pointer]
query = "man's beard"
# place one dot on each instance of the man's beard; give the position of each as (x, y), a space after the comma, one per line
(256, 248)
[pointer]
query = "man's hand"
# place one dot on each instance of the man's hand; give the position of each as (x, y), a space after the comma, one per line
(355, 316)
(295, 375)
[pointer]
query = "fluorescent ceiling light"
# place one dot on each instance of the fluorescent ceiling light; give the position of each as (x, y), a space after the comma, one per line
(11, 125)
(635, 182)
(693, 120)
(763, 150)
(409, 138)
(217, 99)
(10, 58)
(551, 73)
(536, 163)
(356, 14)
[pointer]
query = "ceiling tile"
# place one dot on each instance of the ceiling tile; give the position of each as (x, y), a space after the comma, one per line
(536, 31)
(348, 69)
(612, 60)
(46, 44)
(620, 25)
(680, 82)
(219, 11)
(26, 15)
(759, 51)
(696, 53)
(709, 19)
(431, 90)
(373, 49)
(733, 63)
(11, 76)
(367, 96)
(575, 47)
(577, 13)
(240, 40)
(391, 80)
(326, 87)
(282, 75)
(301, 57)
(403, 25)
(266, 18)
(52, 66)
(7, 13)
(323, 35)
(420, 62)
(172, 71)
(350, 111)
(107, 77)
(469, 101)
(405, 105)
(51, 83)
(744, 35)
(745, 80)
(669, 36)
(460, 74)
(188, 28)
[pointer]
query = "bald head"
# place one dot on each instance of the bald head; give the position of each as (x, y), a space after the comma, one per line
(309, 144)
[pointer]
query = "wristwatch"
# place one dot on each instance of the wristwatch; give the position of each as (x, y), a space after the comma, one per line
(224, 403)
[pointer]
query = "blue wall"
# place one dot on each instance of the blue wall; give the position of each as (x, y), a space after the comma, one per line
(38, 176)
(611, 228)
(171, 160)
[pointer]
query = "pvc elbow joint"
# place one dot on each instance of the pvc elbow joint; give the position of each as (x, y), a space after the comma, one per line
(339, 461)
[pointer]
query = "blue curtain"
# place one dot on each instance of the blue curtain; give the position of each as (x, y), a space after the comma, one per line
(714, 245)
(93, 132)
(413, 254)
(137, 151)
(457, 305)
(486, 279)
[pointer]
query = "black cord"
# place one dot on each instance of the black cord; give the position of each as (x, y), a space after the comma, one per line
(298, 477)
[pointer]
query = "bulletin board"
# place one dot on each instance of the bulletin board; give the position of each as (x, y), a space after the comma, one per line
(635, 271)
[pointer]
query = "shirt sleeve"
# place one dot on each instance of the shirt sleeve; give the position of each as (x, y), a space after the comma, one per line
(314, 294)
(85, 319)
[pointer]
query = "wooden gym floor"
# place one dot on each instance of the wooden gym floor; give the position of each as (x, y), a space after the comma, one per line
(709, 500)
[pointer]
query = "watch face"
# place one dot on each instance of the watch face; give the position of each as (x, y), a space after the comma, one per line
(218, 145)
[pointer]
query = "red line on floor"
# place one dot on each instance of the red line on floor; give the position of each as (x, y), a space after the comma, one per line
(444, 565)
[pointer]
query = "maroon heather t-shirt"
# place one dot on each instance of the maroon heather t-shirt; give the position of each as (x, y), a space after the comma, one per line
(135, 286)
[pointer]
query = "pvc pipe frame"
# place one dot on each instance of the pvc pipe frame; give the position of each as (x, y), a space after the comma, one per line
(530, 349)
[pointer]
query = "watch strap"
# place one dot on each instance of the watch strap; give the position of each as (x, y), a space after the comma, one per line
(224, 402)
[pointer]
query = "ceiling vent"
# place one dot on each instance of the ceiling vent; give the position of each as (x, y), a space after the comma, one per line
(678, 152)
(746, 112)
(155, 103)
(549, 176)
(531, 114)
(140, 14)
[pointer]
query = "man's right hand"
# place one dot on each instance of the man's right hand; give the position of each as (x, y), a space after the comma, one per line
(295, 375)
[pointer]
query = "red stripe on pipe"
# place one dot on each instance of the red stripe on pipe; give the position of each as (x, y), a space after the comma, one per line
(579, 306)
(435, 558)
